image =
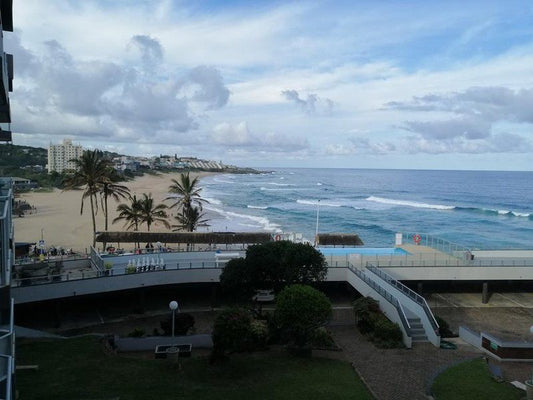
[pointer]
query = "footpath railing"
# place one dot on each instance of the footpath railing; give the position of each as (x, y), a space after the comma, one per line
(408, 292)
(96, 260)
(443, 245)
(425, 260)
(133, 268)
(385, 294)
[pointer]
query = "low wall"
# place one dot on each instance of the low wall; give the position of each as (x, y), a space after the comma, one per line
(149, 343)
(498, 349)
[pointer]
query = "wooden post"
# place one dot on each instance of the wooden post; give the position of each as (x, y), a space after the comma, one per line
(485, 295)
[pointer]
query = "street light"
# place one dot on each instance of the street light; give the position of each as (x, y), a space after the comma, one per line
(317, 214)
(173, 305)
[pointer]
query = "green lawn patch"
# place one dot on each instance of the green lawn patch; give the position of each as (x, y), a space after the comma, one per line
(80, 369)
(471, 380)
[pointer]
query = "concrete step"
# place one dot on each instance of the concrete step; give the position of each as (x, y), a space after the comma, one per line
(419, 338)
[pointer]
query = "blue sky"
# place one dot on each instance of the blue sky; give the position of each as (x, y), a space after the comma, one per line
(367, 84)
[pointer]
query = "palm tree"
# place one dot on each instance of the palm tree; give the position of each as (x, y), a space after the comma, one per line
(189, 219)
(130, 213)
(90, 172)
(187, 191)
(110, 189)
(152, 213)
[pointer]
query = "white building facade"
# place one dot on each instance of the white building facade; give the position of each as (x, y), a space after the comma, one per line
(60, 156)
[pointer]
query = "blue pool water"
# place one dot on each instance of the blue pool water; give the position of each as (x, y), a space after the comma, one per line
(373, 251)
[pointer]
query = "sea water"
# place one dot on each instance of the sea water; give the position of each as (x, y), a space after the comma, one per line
(477, 209)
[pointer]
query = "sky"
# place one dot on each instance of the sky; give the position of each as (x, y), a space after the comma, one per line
(347, 84)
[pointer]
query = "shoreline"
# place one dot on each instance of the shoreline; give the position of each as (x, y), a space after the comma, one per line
(57, 218)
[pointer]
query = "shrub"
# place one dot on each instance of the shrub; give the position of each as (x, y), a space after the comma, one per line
(444, 328)
(231, 332)
(137, 332)
(259, 334)
(300, 309)
(372, 323)
(182, 324)
(321, 338)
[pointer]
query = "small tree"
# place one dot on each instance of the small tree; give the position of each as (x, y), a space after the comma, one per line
(300, 309)
(275, 265)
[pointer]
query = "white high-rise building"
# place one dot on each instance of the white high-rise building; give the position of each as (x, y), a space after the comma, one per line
(60, 156)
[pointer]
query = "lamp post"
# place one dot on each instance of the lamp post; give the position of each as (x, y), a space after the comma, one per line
(317, 214)
(173, 305)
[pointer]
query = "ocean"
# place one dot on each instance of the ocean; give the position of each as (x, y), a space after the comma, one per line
(476, 209)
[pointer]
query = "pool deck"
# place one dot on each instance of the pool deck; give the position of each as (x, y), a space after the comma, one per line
(424, 256)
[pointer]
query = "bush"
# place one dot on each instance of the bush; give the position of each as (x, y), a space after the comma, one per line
(300, 309)
(137, 332)
(231, 333)
(372, 323)
(321, 338)
(182, 324)
(444, 328)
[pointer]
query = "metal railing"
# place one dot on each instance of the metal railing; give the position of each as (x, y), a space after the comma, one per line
(426, 260)
(96, 260)
(408, 292)
(115, 271)
(443, 245)
(6, 231)
(385, 294)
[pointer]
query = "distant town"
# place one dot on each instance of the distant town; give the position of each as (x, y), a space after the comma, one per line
(35, 167)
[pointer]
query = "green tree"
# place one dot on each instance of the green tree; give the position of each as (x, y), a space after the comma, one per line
(111, 189)
(300, 310)
(91, 170)
(187, 192)
(275, 265)
(130, 213)
(189, 219)
(152, 213)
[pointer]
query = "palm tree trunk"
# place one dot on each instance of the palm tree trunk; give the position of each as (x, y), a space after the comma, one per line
(94, 221)
(105, 216)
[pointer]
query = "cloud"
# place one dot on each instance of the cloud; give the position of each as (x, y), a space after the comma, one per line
(238, 136)
(59, 94)
(312, 105)
(150, 49)
(469, 122)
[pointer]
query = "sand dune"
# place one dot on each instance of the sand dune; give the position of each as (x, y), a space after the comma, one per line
(58, 213)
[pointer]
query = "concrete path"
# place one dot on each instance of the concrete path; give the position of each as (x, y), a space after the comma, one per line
(393, 374)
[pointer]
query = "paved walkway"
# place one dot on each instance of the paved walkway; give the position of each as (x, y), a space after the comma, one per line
(397, 374)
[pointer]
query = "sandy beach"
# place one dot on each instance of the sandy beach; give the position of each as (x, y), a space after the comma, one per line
(57, 213)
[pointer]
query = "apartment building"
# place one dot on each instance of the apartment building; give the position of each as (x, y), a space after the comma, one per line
(60, 156)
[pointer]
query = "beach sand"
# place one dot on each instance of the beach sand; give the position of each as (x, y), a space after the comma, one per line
(57, 213)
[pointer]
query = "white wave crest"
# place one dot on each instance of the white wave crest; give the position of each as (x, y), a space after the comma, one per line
(407, 203)
(223, 181)
(262, 221)
(315, 202)
(281, 184)
(257, 207)
(213, 201)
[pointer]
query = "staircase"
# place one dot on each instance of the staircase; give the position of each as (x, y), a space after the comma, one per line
(417, 332)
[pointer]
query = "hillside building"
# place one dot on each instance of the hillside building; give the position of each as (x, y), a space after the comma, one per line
(60, 156)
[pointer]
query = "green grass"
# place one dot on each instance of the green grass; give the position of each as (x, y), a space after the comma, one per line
(472, 380)
(79, 369)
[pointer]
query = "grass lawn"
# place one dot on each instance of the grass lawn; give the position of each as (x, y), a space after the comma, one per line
(79, 369)
(471, 380)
